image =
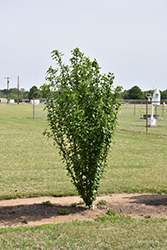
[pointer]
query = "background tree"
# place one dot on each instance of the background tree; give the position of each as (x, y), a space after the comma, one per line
(37, 94)
(24, 93)
(82, 113)
(164, 94)
(135, 93)
(34, 93)
(13, 94)
(125, 95)
(4, 93)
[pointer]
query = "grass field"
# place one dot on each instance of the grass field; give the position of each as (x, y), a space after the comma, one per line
(114, 233)
(129, 119)
(31, 166)
(39, 112)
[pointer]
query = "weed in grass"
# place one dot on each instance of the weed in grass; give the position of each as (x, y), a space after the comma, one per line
(111, 212)
(74, 204)
(148, 216)
(25, 221)
(63, 211)
(103, 207)
(48, 203)
(113, 218)
(102, 202)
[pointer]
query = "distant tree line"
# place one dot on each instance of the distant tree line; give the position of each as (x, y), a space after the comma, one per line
(134, 93)
(24, 95)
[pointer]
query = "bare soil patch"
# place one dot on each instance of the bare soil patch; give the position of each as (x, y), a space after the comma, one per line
(16, 212)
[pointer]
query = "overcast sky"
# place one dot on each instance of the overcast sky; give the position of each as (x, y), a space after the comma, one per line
(127, 37)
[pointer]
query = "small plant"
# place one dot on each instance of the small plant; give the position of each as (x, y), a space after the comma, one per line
(113, 218)
(25, 221)
(102, 202)
(111, 212)
(74, 204)
(63, 211)
(148, 216)
(103, 207)
(48, 203)
(81, 202)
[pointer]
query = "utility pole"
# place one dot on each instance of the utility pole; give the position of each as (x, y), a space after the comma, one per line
(18, 90)
(7, 88)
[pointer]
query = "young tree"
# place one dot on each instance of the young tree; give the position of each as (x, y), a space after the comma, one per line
(34, 93)
(82, 113)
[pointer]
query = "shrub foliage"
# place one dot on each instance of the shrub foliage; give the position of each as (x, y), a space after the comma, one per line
(82, 109)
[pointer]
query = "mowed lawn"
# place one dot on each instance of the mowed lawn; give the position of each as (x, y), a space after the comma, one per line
(31, 166)
(112, 234)
(130, 114)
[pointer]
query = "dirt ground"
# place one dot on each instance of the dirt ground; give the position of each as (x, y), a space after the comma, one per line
(32, 211)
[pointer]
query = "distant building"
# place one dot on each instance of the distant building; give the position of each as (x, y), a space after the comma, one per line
(35, 101)
(4, 100)
(12, 101)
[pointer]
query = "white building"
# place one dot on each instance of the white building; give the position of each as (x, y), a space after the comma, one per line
(12, 101)
(4, 100)
(35, 101)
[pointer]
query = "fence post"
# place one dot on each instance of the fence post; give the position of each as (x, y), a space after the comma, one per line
(147, 117)
(33, 109)
(134, 108)
(162, 110)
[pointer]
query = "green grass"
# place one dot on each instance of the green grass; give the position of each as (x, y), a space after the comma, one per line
(115, 232)
(39, 112)
(31, 166)
(137, 163)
